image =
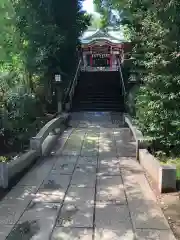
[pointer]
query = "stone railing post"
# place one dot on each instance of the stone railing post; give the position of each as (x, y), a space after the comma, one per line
(59, 92)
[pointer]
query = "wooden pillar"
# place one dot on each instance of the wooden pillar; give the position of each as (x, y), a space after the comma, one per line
(110, 61)
(91, 60)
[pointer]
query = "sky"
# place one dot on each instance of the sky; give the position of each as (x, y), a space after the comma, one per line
(88, 6)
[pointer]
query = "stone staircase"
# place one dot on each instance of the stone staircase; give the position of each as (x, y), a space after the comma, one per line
(98, 91)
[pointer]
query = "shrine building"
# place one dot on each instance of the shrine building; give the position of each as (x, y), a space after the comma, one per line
(101, 48)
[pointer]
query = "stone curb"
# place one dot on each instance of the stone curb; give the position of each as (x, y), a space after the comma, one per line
(164, 176)
(40, 145)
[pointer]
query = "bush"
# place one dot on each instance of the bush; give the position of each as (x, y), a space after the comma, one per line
(157, 111)
(131, 100)
(17, 116)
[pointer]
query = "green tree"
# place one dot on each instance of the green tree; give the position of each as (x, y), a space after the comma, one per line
(38, 39)
(153, 28)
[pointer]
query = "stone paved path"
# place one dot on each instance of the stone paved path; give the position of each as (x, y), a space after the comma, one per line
(91, 188)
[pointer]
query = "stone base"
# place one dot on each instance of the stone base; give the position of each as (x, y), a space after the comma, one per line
(163, 175)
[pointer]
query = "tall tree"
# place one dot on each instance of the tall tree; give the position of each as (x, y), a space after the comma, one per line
(154, 29)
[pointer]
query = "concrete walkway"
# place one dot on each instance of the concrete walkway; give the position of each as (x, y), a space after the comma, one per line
(91, 188)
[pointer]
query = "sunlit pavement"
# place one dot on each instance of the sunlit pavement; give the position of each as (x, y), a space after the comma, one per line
(90, 188)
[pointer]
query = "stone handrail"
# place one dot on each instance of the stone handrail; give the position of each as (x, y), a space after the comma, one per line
(122, 79)
(37, 141)
(141, 142)
(71, 89)
(38, 147)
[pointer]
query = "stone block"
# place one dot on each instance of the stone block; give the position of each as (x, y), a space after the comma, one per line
(67, 106)
(36, 144)
(18, 164)
(168, 179)
(4, 175)
(163, 175)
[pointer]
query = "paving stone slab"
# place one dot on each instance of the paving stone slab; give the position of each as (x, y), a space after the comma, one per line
(87, 160)
(36, 223)
(73, 123)
(83, 180)
(146, 214)
(124, 232)
(90, 145)
(83, 124)
(111, 194)
(113, 125)
(90, 152)
(49, 196)
(109, 167)
(130, 164)
(137, 186)
(56, 182)
(107, 147)
(62, 233)
(74, 143)
(76, 215)
(105, 160)
(94, 130)
(80, 195)
(126, 150)
(66, 159)
(142, 203)
(20, 195)
(61, 142)
(123, 135)
(85, 168)
(34, 177)
(4, 231)
(63, 168)
(109, 181)
(152, 234)
(10, 213)
(111, 216)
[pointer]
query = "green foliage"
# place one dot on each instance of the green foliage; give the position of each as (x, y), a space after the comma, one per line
(153, 27)
(131, 100)
(38, 39)
(3, 159)
(96, 21)
(19, 112)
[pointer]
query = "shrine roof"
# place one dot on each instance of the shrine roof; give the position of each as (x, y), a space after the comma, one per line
(111, 35)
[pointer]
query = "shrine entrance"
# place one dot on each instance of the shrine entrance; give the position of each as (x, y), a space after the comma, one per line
(100, 60)
(100, 51)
